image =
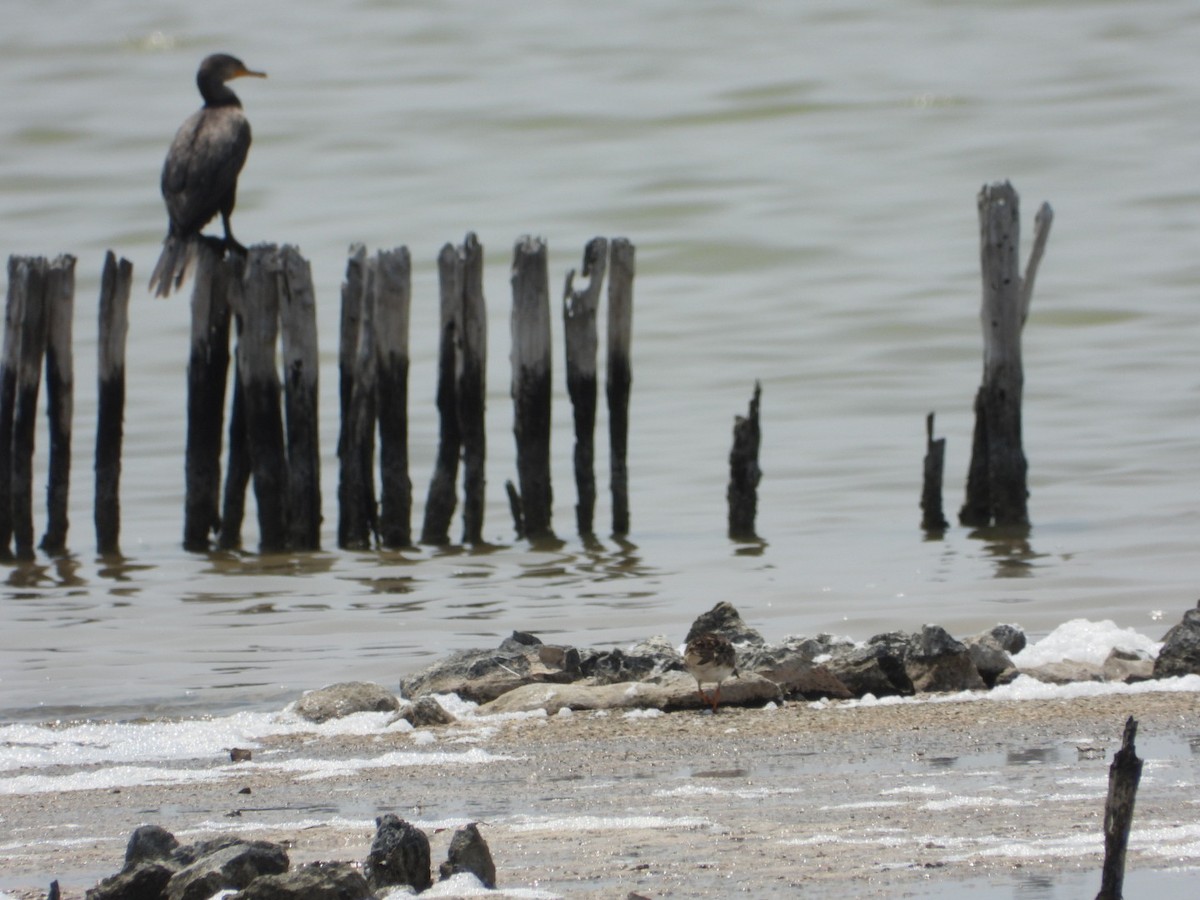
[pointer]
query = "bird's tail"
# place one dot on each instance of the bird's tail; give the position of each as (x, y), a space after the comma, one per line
(174, 265)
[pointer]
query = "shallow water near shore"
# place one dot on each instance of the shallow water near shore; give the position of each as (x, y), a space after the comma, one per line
(800, 183)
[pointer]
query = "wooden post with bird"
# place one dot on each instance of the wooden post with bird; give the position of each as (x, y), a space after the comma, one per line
(997, 493)
(579, 329)
(115, 286)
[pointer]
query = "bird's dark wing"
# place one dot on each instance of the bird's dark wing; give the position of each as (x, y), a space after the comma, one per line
(202, 167)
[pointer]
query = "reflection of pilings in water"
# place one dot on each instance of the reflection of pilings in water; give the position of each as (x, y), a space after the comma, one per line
(115, 286)
(579, 329)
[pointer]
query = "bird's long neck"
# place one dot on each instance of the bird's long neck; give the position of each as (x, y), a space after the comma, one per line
(216, 93)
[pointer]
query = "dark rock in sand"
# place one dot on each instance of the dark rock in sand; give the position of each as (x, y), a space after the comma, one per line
(937, 662)
(991, 653)
(149, 843)
(876, 668)
(426, 712)
(816, 683)
(345, 698)
(483, 675)
(469, 853)
(144, 880)
(645, 661)
(399, 856)
(231, 867)
(1180, 654)
(724, 620)
(316, 881)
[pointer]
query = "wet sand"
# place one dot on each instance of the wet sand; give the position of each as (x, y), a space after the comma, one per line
(875, 801)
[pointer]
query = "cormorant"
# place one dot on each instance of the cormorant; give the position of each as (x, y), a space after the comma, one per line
(199, 177)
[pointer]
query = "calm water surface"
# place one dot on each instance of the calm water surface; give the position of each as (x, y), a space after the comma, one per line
(800, 182)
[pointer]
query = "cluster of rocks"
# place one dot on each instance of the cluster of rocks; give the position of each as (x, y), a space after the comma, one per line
(158, 867)
(525, 673)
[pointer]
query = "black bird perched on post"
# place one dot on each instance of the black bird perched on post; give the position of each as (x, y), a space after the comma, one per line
(199, 177)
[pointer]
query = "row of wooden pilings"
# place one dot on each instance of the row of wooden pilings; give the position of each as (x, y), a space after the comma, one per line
(267, 299)
(277, 450)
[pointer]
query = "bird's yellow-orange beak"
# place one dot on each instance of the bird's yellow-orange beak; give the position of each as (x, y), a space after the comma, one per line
(242, 73)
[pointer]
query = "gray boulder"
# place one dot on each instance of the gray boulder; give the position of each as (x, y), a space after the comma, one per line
(144, 880)
(991, 652)
(345, 698)
(149, 843)
(232, 867)
(483, 675)
(399, 856)
(469, 853)
(936, 662)
(426, 712)
(1067, 671)
(875, 668)
(1127, 666)
(316, 881)
(1180, 654)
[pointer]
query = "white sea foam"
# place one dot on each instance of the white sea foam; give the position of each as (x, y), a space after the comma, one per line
(1085, 641)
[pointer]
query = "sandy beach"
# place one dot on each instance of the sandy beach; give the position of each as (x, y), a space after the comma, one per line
(831, 801)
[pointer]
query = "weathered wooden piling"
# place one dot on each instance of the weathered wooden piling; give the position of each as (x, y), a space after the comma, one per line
(392, 283)
(531, 384)
(207, 374)
(996, 492)
(472, 389)
(238, 467)
(1123, 777)
(115, 285)
(14, 311)
(357, 519)
(298, 325)
(257, 306)
(933, 518)
(441, 498)
(60, 399)
(619, 376)
(744, 473)
(579, 329)
(27, 303)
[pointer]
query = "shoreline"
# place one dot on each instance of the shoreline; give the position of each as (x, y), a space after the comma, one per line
(836, 799)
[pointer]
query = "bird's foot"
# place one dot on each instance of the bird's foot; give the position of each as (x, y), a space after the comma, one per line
(232, 245)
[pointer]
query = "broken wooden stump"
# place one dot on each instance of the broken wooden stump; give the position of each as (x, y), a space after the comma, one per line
(933, 518)
(997, 493)
(744, 473)
(1123, 777)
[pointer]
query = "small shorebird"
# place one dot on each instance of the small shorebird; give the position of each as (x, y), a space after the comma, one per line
(710, 657)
